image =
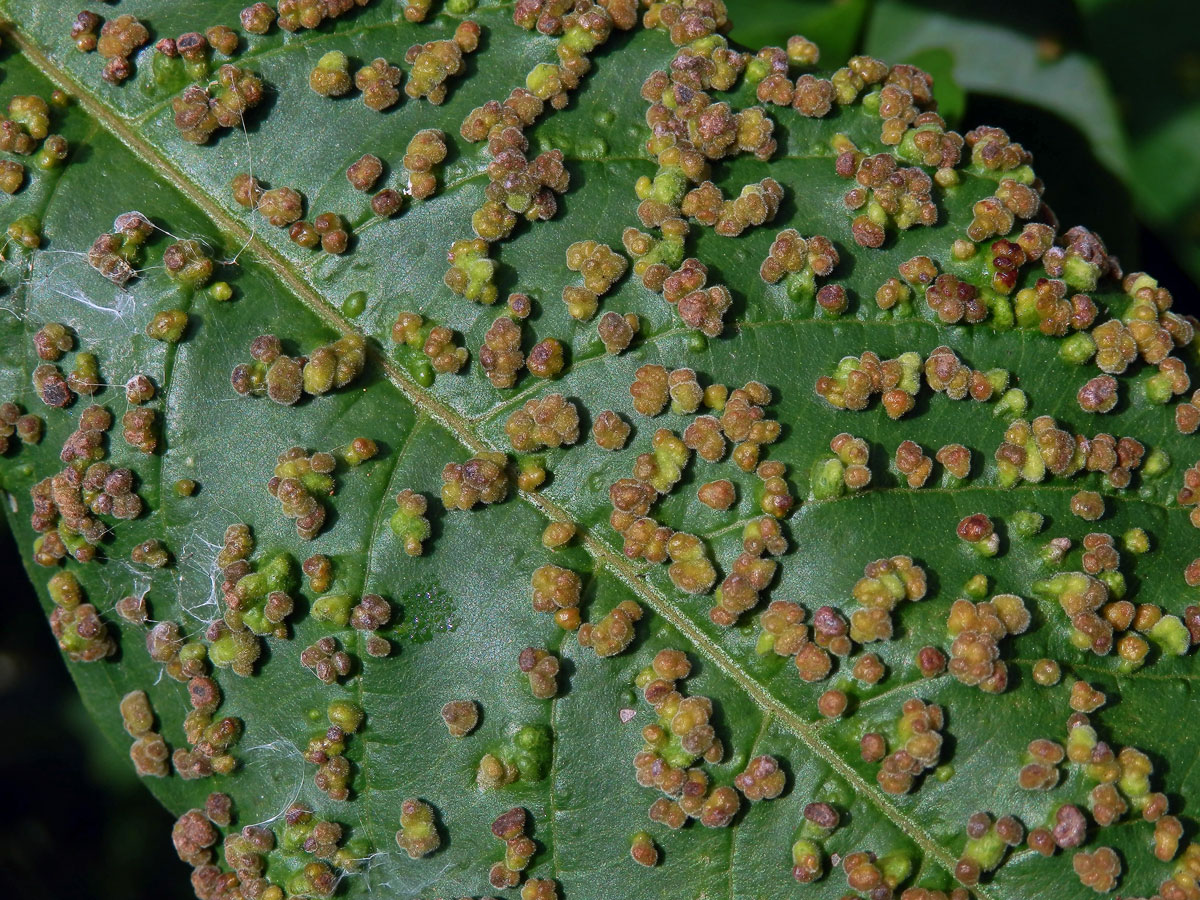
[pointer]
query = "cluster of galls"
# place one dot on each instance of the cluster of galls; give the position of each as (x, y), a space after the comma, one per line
(26, 427)
(285, 379)
(1031, 450)
(434, 342)
(256, 596)
(947, 374)
(525, 756)
(784, 631)
(409, 523)
(481, 479)
(187, 262)
(557, 590)
(299, 479)
(27, 122)
(195, 835)
(987, 842)
(857, 378)
(302, 831)
(327, 750)
(798, 262)
(149, 751)
(201, 109)
(919, 746)
(245, 853)
(518, 186)
(1094, 619)
(681, 736)
(519, 110)
(585, 26)
(418, 835)
(65, 506)
(754, 205)
(743, 421)
(691, 570)
(1148, 328)
(976, 630)
(688, 130)
(846, 470)
(1189, 493)
(210, 738)
(519, 848)
(188, 56)
(472, 272)
(875, 876)
(601, 267)
(762, 779)
(425, 150)
(1123, 783)
(379, 81)
(617, 331)
(541, 668)
(326, 660)
(1040, 771)
(298, 15)
(614, 632)
(116, 254)
(752, 571)
(549, 421)
(885, 584)
(117, 42)
(820, 821)
(435, 62)
(80, 632)
(887, 193)
(501, 356)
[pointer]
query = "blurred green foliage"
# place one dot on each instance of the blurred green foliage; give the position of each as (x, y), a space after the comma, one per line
(1105, 93)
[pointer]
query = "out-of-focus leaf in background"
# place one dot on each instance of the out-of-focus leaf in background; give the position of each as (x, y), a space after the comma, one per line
(1148, 51)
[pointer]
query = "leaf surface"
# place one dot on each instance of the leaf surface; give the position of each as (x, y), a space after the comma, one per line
(462, 609)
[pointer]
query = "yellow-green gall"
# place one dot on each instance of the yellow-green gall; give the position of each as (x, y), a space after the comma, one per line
(471, 272)
(330, 77)
(557, 534)
(418, 834)
(613, 633)
(408, 522)
(168, 325)
(663, 466)
(12, 176)
(345, 715)
(188, 263)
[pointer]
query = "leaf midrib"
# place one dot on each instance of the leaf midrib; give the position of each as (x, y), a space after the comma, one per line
(459, 427)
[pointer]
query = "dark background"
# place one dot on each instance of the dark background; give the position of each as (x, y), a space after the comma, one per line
(1106, 97)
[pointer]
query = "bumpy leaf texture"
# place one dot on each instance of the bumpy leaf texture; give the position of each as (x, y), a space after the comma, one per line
(924, 503)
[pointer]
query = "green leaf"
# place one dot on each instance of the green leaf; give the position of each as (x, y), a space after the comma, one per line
(461, 610)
